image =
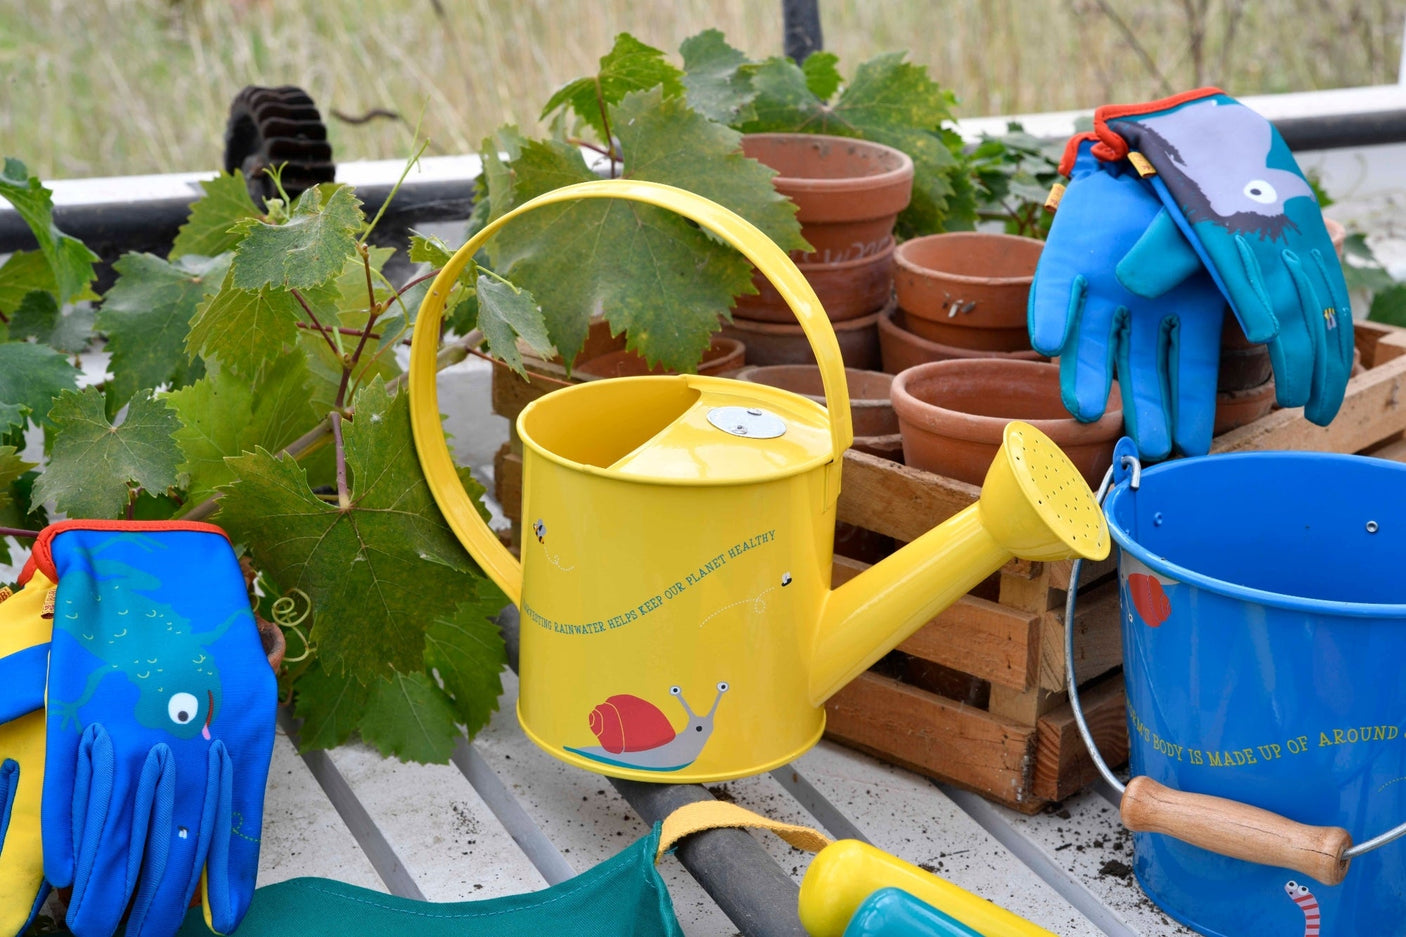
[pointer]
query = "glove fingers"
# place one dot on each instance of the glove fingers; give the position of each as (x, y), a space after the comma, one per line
(1142, 381)
(1296, 353)
(1330, 334)
(1056, 297)
(1086, 367)
(1194, 360)
(1159, 260)
(23, 675)
(102, 821)
(1249, 296)
(152, 831)
(22, 885)
(177, 843)
(233, 862)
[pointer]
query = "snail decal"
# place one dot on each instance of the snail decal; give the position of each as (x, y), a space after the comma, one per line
(634, 733)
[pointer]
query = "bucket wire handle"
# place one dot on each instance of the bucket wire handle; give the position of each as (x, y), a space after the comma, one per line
(771, 260)
(1223, 826)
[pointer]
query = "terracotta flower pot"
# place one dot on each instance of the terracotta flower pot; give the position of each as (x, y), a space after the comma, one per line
(1238, 407)
(848, 192)
(967, 288)
(779, 343)
(723, 354)
(900, 349)
(952, 413)
(846, 290)
(1242, 365)
(871, 412)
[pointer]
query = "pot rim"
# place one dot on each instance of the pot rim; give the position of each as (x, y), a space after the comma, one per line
(887, 192)
(972, 427)
(763, 327)
(749, 372)
(888, 325)
(904, 262)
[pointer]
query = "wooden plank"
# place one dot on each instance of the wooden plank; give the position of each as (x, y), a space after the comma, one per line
(1063, 766)
(909, 817)
(896, 500)
(935, 736)
(507, 482)
(302, 832)
(1023, 706)
(1098, 640)
(1373, 409)
(985, 639)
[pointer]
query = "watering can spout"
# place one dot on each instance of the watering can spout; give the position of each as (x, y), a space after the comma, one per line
(1034, 505)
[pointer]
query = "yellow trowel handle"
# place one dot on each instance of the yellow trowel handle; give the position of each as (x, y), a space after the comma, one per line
(771, 260)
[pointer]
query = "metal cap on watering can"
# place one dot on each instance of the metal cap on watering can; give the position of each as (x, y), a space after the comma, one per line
(678, 622)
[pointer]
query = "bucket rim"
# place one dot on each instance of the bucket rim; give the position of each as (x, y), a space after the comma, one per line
(1166, 567)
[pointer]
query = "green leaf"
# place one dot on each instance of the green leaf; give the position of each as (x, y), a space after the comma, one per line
(411, 718)
(24, 273)
(330, 705)
(822, 73)
(377, 572)
(716, 78)
(31, 376)
(39, 318)
(506, 313)
(244, 329)
(629, 66)
(428, 249)
(312, 247)
(94, 463)
(210, 229)
(1389, 306)
(467, 652)
(147, 316)
(70, 261)
(21, 512)
(11, 468)
(223, 415)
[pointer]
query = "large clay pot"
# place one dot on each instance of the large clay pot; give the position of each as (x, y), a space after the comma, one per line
(952, 414)
(848, 193)
(1238, 407)
(723, 354)
(967, 288)
(779, 343)
(846, 290)
(900, 349)
(871, 411)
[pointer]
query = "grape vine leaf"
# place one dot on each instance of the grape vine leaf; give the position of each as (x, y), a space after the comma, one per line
(506, 313)
(629, 66)
(716, 80)
(11, 468)
(330, 705)
(889, 101)
(377, 573)
(408, 716)
(310, 248)
(223, 414)
(24, 273)
(146, 316)
(94, 464)
(467, 652)
(680, 279)
(21, 512)
(822, 73)
(69, 259)
(31, 376)
(210, 229)
(39, 317)
(244, 329)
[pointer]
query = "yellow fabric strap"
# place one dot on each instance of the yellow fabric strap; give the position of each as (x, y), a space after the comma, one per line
(719, 814)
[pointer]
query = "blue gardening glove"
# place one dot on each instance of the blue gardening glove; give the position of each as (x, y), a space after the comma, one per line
(1164, 351)
(160, 727)
(1233, 191)
(24, 661)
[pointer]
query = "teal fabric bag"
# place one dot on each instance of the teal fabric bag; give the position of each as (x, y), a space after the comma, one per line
(621, 897)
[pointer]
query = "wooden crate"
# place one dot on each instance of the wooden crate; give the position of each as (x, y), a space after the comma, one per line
(976, 696)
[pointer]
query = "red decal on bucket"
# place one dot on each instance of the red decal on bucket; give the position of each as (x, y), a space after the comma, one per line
(1149, 598)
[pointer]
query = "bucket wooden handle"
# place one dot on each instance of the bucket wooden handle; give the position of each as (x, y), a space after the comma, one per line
(1237, 830)
(459, 512)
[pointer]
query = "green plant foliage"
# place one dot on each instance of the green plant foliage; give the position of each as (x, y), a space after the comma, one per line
(629, 66)
(408, 716)
(211, 228)
(1013, 174)
(715, 79)
(11, 468)
(70, 261)
(307, 250)
(146, 316)
(244, 328)
(31, 376)
(94, 465)
(23, 273)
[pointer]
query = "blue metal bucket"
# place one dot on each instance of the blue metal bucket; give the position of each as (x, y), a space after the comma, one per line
(1264, 649)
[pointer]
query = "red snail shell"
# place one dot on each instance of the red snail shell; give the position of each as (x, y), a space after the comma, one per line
(1149, 598)
(625, 723)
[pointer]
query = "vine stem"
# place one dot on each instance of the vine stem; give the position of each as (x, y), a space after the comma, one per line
(17, 532)
(309, 441)
(341, 328)
(343, 498)
(322, 330)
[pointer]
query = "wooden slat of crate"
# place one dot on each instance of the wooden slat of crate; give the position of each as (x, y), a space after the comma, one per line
(1062, 763)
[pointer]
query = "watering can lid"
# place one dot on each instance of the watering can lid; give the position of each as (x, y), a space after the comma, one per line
(733, 432)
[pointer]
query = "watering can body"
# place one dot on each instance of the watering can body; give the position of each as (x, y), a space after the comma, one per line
(678, 621)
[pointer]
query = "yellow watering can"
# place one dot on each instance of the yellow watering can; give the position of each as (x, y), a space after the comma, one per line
(678, 622)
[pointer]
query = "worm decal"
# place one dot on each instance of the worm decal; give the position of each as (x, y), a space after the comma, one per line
(1301, 896)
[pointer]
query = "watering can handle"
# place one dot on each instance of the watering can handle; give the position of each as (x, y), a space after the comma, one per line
(1238, 830)
(771, 260)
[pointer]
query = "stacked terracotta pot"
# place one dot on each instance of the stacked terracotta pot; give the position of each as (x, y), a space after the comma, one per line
(848, 194)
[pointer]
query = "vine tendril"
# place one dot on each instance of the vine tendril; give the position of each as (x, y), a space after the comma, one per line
(283, 616)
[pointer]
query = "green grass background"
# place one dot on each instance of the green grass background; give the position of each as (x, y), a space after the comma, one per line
(107, 87)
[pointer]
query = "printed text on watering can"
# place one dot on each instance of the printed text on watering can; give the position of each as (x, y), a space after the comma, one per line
(707, 567)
